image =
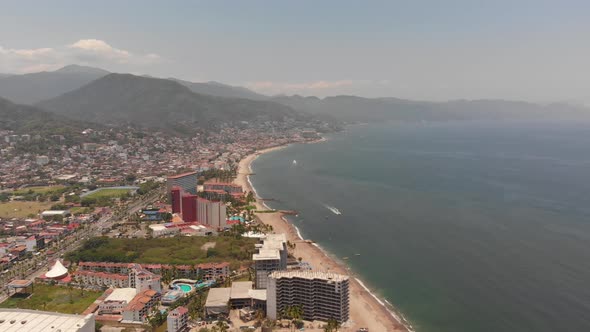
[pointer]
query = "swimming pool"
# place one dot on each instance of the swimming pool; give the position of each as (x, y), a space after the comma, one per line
(185, 288)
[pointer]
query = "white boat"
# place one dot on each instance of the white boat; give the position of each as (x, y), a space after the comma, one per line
(294, 162)
(333, 209)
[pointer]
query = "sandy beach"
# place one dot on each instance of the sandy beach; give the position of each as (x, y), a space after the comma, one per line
(365, 309)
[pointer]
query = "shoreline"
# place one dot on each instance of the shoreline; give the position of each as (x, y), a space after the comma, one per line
(366, 308)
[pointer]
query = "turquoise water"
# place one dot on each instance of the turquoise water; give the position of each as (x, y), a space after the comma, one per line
(462, 226)
(204, 284)
(185, 288)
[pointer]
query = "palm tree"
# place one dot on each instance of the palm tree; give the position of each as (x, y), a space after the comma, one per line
(221, 326)
(332, 326)
(193, 271)
(174, 272)
(296, 313)
(81, 284)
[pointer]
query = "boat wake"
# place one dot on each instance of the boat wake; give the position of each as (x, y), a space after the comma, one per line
(333, 209)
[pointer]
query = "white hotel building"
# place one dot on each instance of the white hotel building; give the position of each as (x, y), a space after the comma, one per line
(271, 256)
(321, 295)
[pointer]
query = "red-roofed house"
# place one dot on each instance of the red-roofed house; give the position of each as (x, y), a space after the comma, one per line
(139, 308)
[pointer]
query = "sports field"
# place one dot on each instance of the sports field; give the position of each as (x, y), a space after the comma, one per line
(22, 209)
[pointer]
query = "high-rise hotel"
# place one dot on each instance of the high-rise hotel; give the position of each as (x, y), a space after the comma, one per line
(321, 295)
(186, 181)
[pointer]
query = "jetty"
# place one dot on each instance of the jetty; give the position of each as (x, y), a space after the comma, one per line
(269, 200)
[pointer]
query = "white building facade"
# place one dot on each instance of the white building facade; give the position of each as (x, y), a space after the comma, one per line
(321, 295)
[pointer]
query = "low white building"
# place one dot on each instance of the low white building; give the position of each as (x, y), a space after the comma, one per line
(159, 230)
(53, 213)
(217, 301)
(116, 301)
(24, 320)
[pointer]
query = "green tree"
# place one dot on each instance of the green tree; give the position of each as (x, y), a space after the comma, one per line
(332, 325)
(221, 326)
(250, 197)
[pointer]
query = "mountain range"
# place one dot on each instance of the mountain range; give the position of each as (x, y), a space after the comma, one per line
(221, 90)
(359, 109)
(163, 103)
(32, 88)
(92, 94)
(28, 119)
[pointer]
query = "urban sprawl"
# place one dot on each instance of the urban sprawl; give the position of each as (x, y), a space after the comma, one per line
(154, 226)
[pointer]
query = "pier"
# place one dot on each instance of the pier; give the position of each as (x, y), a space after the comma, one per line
(269, 200)
(289, 212)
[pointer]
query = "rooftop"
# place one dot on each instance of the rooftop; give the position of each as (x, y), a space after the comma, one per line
(218, 297)
(310, 275)
(266, 254)
(57, 271)
(20, 283)
(140, 300)
(24, 320)
(54, 212)
(181, 175)
(122, 294)
(239, 289)
(179, 311)
(257, 294)
(157, 227)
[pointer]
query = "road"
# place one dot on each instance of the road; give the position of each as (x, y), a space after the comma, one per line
(37, 265)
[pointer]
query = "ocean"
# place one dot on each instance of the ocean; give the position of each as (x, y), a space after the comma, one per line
(462, 226)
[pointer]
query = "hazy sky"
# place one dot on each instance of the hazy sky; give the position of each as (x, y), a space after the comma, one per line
(529, 50)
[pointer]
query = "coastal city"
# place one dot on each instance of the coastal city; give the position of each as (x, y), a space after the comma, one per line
(282, 166)
(141, 231)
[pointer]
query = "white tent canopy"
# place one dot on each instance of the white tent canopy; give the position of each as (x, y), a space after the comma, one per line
(58, 270)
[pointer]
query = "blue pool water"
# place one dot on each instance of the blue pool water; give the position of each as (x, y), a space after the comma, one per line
(185, 288)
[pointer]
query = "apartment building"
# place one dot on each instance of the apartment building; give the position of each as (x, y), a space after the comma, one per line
(178, 320)
(211, 213)
(142, 304)
(119, 275)
(104, 272)
(321, 295)
(271, 256)
(186, 181)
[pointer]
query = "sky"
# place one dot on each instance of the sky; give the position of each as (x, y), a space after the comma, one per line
(427, 50)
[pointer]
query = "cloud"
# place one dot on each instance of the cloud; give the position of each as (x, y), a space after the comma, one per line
(321, 87)
(290, 88)
(91, 52)
(100, 48)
